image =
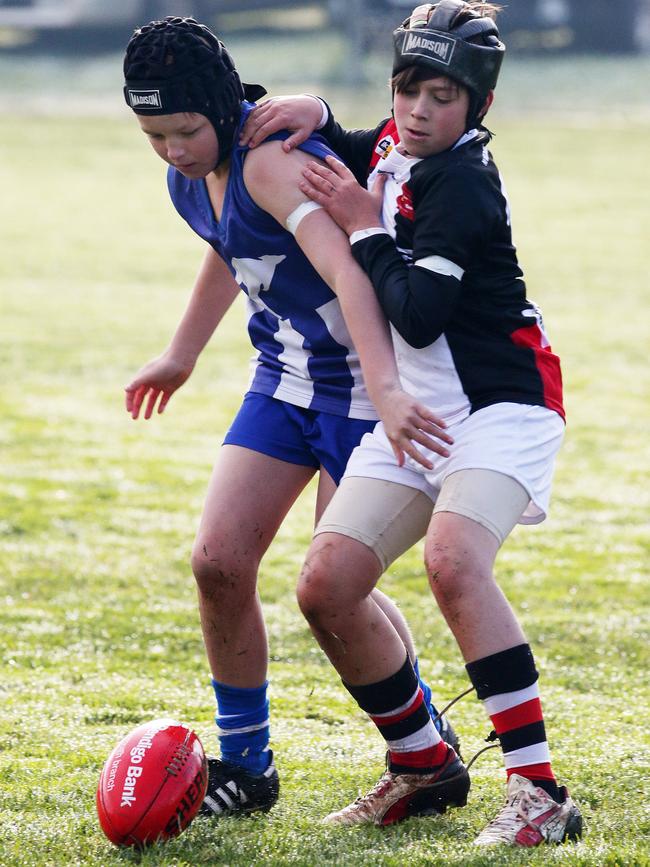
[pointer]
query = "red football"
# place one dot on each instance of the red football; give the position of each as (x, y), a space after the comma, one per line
(152, 784)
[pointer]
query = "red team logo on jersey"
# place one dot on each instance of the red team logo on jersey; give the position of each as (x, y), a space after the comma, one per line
(405, 203)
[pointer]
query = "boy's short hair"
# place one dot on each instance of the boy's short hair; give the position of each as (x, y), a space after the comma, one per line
(414, 74)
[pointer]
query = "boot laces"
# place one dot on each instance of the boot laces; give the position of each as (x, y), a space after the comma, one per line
(377, 790)
(515, 809)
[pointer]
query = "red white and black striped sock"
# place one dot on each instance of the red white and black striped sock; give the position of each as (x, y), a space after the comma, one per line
(396, 706)
(506, 682)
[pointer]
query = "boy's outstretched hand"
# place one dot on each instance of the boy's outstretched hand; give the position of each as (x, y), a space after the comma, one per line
(160, 377)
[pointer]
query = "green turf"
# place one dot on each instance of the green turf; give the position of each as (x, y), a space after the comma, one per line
(98, 622)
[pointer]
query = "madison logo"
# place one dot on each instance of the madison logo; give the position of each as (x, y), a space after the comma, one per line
(438, 48)
(145, 99)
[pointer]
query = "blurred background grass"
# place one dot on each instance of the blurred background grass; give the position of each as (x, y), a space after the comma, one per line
(573, 85)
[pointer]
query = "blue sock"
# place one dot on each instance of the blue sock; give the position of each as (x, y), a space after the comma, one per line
(426, 690)
(242, 720)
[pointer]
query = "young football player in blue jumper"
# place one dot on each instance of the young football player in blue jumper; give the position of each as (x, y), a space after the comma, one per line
(432, 231)
(307, 406)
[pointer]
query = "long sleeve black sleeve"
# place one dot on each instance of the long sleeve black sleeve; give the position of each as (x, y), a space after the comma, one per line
(354, 146)
(416, 301)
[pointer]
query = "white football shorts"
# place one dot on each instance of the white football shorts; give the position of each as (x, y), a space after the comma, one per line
(499, 473)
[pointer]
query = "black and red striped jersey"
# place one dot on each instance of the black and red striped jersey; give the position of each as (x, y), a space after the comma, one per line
(446, 274)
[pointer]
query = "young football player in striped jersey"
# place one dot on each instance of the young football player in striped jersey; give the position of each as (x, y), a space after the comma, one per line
(434, 237)
(307, 406)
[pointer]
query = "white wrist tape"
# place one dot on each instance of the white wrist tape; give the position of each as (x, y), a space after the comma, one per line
(296, 217)
(360, 234)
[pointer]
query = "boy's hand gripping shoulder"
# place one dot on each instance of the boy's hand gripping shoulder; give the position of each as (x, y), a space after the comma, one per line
(335, 188)
(301, 114)
(272, 178)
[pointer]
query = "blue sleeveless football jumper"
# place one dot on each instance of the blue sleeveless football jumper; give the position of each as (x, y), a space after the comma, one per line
(304, 351)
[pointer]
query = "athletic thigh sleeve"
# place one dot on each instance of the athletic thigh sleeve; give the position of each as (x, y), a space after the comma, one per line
(494, 500)
(386, 517)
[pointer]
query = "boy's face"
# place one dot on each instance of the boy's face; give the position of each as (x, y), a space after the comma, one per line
(185, 140)
(431, 115)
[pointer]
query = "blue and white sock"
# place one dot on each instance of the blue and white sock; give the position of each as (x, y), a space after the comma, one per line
(242, 720)
(426, 691)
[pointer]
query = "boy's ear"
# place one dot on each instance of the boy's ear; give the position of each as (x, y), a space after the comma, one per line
(489, 99)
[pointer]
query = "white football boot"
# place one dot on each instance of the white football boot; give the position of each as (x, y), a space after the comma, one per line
(531, 817)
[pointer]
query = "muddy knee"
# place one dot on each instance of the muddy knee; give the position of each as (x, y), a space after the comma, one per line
(316, 595)
(222, 572)
(453, 574)
(446, 572)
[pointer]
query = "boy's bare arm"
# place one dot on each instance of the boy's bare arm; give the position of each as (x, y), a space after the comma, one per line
(214, 291)
(272, 177)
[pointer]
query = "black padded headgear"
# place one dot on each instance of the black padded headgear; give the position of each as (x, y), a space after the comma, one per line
(179, 65)
(470, 53)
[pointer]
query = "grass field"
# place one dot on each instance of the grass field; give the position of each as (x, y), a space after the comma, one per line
(98, 622)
